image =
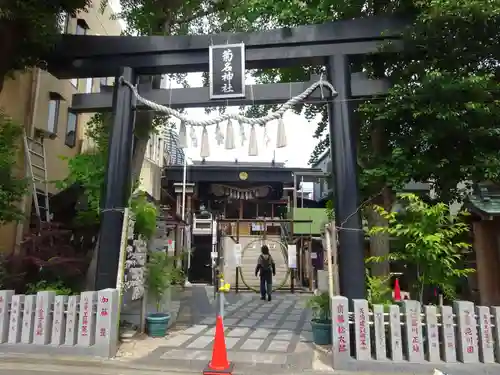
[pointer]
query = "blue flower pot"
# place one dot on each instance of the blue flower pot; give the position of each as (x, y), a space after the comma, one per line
(321, 331)
(157, 324)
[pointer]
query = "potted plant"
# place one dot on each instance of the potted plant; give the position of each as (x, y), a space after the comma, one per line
(161, 273)
(321, 322)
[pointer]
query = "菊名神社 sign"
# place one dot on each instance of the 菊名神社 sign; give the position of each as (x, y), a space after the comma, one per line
(227, 71)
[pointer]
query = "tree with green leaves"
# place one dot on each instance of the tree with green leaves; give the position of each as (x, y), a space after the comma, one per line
(439, 121)
(428, 239)
(28, 30)
(12, 182)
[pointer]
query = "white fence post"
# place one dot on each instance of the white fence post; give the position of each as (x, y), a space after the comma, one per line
(362, 329)
(467, 332)
(431, 325)
(413, 331)
(495, 311)
(340, 329)
(5, 298)
(448, 344)
(396, 341)
(46, 322)
(379, 332)
(15, 323)
(28, 319)
(43, 317)
(106, 322)
(59, 321)
(485, 335)
(71, 333)
(86, 329)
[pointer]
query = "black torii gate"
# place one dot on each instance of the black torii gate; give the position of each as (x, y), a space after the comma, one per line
(329, 44)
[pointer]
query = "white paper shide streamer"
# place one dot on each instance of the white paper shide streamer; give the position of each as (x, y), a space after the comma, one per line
(205, 144)
(281, 136)
(219, 136)
(243, 137)
(229, 143)
(183, 135)
(229, 136)
(267, 140)
(194, 138)
(253, 149)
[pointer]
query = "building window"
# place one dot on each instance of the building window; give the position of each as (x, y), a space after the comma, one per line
(54, 106)
(88, 85)
(63, 22)
(74, 82)
(71, 127)
(81, 27)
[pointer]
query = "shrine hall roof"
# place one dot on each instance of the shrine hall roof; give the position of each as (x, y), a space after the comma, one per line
(237, 163)
(232, 172)
(485, 199)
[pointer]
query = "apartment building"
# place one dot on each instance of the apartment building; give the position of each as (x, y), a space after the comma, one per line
(162, 150)
(41, 102)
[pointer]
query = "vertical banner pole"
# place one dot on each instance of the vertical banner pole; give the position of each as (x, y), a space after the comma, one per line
(328, 239)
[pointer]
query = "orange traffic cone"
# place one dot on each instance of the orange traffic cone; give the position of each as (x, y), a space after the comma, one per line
(397, 291)
(219, 363)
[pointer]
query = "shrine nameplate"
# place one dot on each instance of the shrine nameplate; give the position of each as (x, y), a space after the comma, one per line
(227, 71)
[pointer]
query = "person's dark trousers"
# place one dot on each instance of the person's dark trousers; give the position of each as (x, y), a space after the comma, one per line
(266, 284)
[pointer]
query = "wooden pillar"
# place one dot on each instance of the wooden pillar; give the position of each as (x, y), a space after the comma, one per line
(178, 187)
(178, 203)
(189, 203)
(487, 259)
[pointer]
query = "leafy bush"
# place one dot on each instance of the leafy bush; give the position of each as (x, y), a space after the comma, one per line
(430, 240)
(42, 286)
(379, 290)
(55, 257)
(144, 215)
(161, 273)
(321, 306)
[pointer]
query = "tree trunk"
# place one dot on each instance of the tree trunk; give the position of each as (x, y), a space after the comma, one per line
(379, 243)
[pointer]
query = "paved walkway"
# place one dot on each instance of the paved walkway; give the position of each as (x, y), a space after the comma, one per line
(276, 334)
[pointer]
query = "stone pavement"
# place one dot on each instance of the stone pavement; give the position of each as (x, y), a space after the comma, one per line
(276, 335)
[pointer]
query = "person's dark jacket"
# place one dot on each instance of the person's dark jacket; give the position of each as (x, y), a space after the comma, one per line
(260, 262)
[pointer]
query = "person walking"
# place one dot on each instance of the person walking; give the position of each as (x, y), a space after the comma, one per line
(266, 269)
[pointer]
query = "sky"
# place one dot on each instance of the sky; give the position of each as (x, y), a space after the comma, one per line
(299, 134)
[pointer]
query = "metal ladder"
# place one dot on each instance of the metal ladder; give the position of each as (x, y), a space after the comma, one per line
(37, 168)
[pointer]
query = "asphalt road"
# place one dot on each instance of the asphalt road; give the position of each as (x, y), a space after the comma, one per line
(51, 369)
